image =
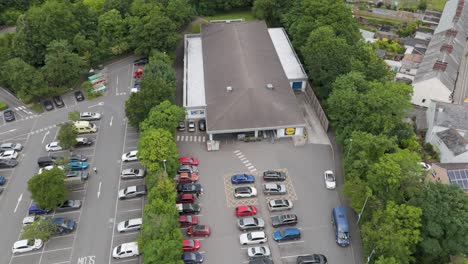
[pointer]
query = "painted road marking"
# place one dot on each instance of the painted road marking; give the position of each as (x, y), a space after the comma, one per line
(19, 200)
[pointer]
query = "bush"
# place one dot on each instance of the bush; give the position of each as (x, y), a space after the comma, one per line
(3, 106)
(74, 116)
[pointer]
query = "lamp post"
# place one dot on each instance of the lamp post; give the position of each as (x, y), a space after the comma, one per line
(370, 255)
(164, 163)
(350, 146)
(362, 210)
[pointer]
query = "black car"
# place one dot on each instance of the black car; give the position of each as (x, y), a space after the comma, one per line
(79, 96)
(282, 220)
(272, 175)
(78, 157)
(9, 115)
(314, 258)
(48, 161)
(141, 61)
(202, 124)
(189, 188)
(58, 101)
(48, 105)
(11, 163)
(263, 260)
(188, 209)
(181, 126)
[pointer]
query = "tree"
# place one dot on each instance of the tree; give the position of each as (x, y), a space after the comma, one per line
(444, 226)
(393, 232)
(41, 228)
(62, 66)
(67, 135)
(365, 60)
(48, 188)
(85, 48)
(155, 146)
(6, 46)
(180, 12)
(112, 32)
(165, 115)
(271, 10)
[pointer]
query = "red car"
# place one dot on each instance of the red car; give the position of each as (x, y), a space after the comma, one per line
(188, 220)
(188, 161)
(190, 245)
(185, 198)
(199, 230)
(138, 73)
(246, 210)
(185, 177)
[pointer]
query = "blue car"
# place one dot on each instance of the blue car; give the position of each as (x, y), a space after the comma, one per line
(78, 165)
(242, 178)
(287, 234)
(35, 210)
(2, 180)
(63, 225)
(192, 257)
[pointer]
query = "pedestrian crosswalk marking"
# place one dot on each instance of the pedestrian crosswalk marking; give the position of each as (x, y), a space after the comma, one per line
(182, 138)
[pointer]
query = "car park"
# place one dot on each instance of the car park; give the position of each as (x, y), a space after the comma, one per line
(245, 192)
(258, 252)
(130, 156)
(132, 192)
(190, 245)
(287, 234)
(279, 205)
(11, 146)
(282, 220)
(78, 157)
(140, 61)
(48, 105)
(250, 223)
(187, 168)
(34, 209)
(186, 177)
(69, 205)
(6, 164)
(79, 96)
(9, 115)
(188, 220)
(83, 142)
(8, 154)
(53, 146)
(58, 101)
(130, 225)
(132, 173)
(242, 179)
(78, 174)
(191, 126)
(189, 188)
(245, 210)
(202, 124)
(63, 225)
(125, 250)
(77, 165)
(188, 208)
(187, 160)
(181, 126)
(192, 258)
(330, 181)
(2, 180)
(313, 258)
(272, 175)
(90, 116)
(198, 230)
(274, 189)
(256, 237)
(185, 198)
(26, 245)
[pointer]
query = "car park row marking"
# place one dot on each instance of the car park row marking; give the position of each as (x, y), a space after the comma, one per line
(244, 160)
(191, 138)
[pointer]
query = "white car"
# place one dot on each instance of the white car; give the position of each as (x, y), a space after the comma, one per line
(245, 192)
(53, 146)
(132, 173)
(258, 252)
(8, 154)
(90, 116)
(30, 219)
(49, 168)
(130, 156)
(11, 146)
(424, 165)
(129, 225)
(280, 205)
(252, 238)
(134, 90)
(126, 250)
(26, 245)
(330, 181)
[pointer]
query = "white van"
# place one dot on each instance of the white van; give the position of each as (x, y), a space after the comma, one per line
(85, 127)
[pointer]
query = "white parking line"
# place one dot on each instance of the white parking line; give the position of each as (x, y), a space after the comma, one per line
(55, 237)
(45, 251)
(236, 151)
(127, 260)
(126, 234)
(128, 211)
(241, 156)
(63, 262)
(178, 137)
(245, 161)
(292, 242)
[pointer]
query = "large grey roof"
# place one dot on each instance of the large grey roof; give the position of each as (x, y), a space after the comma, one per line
(241, 55)
(449, 21)
(454, 141)
(451, 115)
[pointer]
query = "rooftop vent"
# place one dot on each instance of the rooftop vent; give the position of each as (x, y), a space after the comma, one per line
(270, 86)
(440, 109)
(447, 47)
(440, 66)
(451, 33)
(229, 89)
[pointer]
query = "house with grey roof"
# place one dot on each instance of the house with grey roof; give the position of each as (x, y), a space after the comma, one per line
(448, 131)
(437, 73)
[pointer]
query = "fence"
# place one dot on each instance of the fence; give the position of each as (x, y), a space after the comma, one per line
(314, 102)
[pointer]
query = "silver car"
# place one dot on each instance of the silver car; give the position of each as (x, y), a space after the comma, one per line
(90, 116)
(249, 223)
(280, 205)
(258, 252)
(274, 188)
(11, 146)
(129, 225)
(132, 173)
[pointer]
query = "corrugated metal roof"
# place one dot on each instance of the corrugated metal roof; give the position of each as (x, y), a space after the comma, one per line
(195, 89)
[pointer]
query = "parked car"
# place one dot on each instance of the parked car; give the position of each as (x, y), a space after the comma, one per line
(186, 177)
(190, 245)
(181, 126)
(140, 61)
(53, 146)
(11, 146)
(330, 182)
(271, 175)
(187, 168)
(187, 160)
(245, 192)
(35, 210)
(256, 237)
(77, 165)
(132, 173)
(249, 223)
(8, 154)
(138, 73)
(78, 157)
(279, 205)
(132, 192)
(425, 165)
(274, 188)
(58, 101)
(48, 105)
(199, 230)
(79, 96)
(258, 252)
(83, 142)
(261, 260)
(189, 188)
(9, 115)
(48, 161)
(287, 234)
(188, 208)
(130, 156)
(69, 205)
(313, 258)
(4, 164)
(202, 124)
(90, 116)
(126, 250)
(31, 219)
(188, 220)
(282, 220)
(2, 180)
(26, 245)
(130, 225)
(192, 258)
(246, 210)
(242, 179)
(49, 168)
(63, 225)
(78, 174)
(185, 198)
(191, 126)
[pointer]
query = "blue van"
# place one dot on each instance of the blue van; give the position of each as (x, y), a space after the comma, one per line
(341, 226)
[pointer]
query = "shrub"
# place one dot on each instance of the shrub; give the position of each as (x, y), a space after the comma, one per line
(3, 106)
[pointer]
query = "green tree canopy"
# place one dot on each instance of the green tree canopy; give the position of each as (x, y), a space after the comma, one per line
(48, 188)
(41, 228)
(155, 146)
(112, 31)
(67, 135)
(271, 10)
(179, 11)
(165, 115)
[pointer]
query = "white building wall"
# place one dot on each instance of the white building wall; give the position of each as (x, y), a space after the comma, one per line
(432, 89)
(446, 156)
(281, 132)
